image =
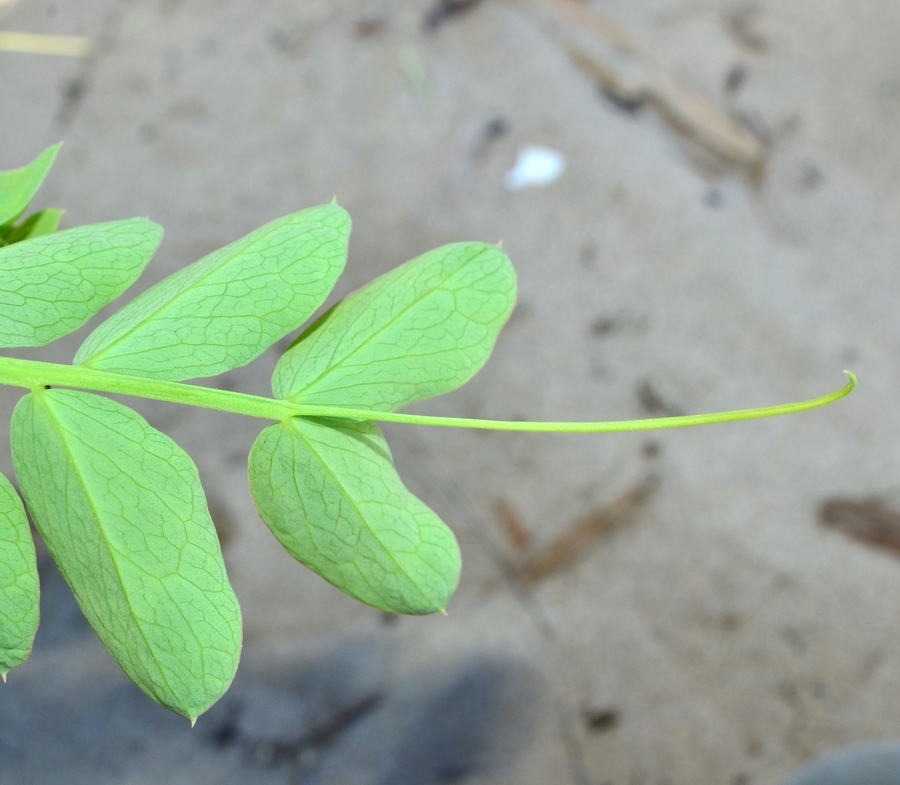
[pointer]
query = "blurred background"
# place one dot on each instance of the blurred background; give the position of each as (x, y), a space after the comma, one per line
(699, 197)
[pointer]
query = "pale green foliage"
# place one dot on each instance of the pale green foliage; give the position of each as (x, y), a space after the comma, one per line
(421, 330)
(330, 494)
(228, 308)
(121, 509)
(18, 581)
(120, 505)
(53, 284)
(18, 187)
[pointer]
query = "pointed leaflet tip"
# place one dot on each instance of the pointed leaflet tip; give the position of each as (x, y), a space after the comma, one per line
(19, 582)
(63, 279)
(228, 307)
(18, 186)
(332, 497)
(135, 497)
(3, 676)
(430, 325)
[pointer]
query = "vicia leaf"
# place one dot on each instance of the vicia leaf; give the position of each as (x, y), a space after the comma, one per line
(51, 285)
(121, 509)
(19, 592)
(421, 330)
(120, 505)
(228, 308)
(17, 187)
(330, 494)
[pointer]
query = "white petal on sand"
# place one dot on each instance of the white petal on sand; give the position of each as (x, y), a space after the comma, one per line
(535, 167)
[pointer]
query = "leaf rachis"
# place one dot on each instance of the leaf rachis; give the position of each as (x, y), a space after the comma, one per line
(120, 505)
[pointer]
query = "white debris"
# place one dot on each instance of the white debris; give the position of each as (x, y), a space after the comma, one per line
(535, 167)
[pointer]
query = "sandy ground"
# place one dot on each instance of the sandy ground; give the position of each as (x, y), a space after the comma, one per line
(722, 635)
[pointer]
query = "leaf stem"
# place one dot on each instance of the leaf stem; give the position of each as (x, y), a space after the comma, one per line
(32, 375)
(35, 375)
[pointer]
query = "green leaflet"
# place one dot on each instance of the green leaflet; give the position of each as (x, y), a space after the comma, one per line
(17, 187)
(228, 308)
(19, 592)
(36, 225)
(121, 509)
(51, 285)
(330, 494)
(421, 330)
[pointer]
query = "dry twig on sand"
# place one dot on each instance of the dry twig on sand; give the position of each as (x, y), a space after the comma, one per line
(32, 43)
(869, 520)
(633, 76)
(572, 544)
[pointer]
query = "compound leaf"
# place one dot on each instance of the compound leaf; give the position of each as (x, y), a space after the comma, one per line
(36, 225)
(19, 589)
(423, 329)
(51, 285)
(228, 308)
(330, 494)
(121, 509)
(18, 186)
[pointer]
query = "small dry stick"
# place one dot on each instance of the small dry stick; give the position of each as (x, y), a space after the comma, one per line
(571, 544)
(633, 76)
(512, 524)
(869, 520)
(31, 43)
(444, 9)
